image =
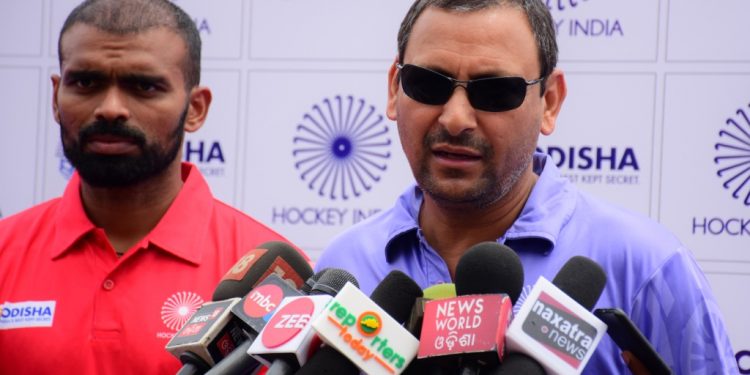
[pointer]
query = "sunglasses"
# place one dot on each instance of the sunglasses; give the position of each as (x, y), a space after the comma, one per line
(492, 94)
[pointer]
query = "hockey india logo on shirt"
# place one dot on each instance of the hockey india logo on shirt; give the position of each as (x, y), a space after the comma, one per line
(177, 310)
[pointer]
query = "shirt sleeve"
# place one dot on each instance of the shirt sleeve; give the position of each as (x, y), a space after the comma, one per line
(677, 312)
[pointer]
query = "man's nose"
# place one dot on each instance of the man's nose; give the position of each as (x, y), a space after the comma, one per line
(113, 106)
(458, 115)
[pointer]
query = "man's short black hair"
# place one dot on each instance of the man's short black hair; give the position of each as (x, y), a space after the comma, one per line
(123, 17)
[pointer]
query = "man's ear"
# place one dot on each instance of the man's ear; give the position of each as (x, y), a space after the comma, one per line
(554, 96)
(199, 102)
(393, 86)
(55, 87)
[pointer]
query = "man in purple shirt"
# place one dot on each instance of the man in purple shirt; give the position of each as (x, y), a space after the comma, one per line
(472, 152)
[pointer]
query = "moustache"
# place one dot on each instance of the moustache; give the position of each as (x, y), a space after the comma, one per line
(117, 128)
(465, 139)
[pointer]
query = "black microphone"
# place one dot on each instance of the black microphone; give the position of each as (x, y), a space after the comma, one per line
(213, 332)
(270, 257)
(489, 268)
(250, 311)
(582, 279)
(395, 294)
(554, 326)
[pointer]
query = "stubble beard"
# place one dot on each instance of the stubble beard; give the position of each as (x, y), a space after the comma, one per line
(492, 186)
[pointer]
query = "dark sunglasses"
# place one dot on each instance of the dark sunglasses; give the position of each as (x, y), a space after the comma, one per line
(492, 94)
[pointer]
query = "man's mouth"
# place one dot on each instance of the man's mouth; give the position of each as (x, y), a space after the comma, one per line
(456, 153)
(110, 144)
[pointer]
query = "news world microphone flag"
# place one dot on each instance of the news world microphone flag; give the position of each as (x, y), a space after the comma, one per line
(365, 333)
(464, 324)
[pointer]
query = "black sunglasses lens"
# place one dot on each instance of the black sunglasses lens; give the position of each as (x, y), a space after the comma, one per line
(425, 86)
(497, 94)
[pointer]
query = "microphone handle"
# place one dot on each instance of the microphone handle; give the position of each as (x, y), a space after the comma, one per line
(280, 367)
(470, 368)
(192, 364)
(189, 369)
(238, 362)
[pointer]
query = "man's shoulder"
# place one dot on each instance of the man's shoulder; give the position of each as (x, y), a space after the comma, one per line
(622, 223)
(229, 217)
(29, 217)
(364, 241)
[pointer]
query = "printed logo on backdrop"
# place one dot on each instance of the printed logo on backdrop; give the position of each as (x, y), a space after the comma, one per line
(596, 165)
(176, 311)
(202, 23)
(732, 162)
(582, 27)
(733, 156)
(63, 165)
(341, 150)
(207, 155)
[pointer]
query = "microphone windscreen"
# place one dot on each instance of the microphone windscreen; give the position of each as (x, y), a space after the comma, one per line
(517, 363)
(582, 279)
(306, 288)
(331, 282)
(440, 291)
(270, 257)
(489, 268)
(396, 295)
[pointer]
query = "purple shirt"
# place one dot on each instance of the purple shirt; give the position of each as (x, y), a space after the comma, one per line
(650, 274)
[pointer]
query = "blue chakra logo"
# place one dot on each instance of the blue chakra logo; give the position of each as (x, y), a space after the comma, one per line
(341, 147)
(733, 156)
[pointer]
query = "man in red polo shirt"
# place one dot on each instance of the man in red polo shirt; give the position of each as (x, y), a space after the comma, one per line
(98, 280)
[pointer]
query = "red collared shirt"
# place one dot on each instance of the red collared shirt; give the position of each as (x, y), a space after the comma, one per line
(72, 306)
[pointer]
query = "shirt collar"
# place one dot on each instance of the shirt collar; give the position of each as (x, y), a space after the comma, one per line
(181, 230)
(549, 207)
(70, 220)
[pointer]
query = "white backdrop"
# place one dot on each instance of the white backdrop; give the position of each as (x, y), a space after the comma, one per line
(657, 118)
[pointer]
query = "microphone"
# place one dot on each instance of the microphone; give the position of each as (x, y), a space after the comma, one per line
(328, 360)
(440, 291)
(239, 362)
(554, 325)
(213, 332)
(270, 257)
(437, 291)
(471, 326)
(287, 341)
(368, 331)
(581, 279)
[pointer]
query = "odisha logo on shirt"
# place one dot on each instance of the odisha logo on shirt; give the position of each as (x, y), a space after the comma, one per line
(340, 147)
(178, 308)
(733, 156)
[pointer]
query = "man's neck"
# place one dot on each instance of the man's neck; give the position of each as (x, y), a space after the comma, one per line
(128, 214)
(453, 229)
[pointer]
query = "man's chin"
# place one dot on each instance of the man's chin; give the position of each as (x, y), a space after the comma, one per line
(456, 193)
